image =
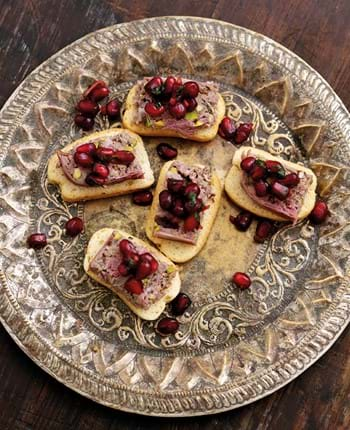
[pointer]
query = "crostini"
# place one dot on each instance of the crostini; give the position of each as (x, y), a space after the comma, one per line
(103, 164)
(139, 274)
(174, 107)
(184, 207)
(269, 186)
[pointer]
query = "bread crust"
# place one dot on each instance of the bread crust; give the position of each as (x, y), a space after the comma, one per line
(237, 194)
(180, 252)
(73, 193)
(98, 239)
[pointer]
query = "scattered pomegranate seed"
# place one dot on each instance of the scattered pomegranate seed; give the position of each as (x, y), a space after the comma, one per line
(88, 107)
(123, 157)
(193, 206)
(143, 269)
(99, 93)
(192, 189)
(83, 159)
(167, 326)
(111, 109)
(153, 262)
(319, 213)
(242, 133)
(165, 200)
(279, 190)
(263, 231)
(168, 221)
(142, 198)
(176, 186)
(190, 104)
(178, 111)
(242, 221)
(257, 172)
(126, 247)
(178, 208)
(37, 240)
(191, 223)
(274, 167)
(154, 86)
(86, 148)
(84, 122)
(190, 89)
(104, 154)
(166, 151)
(180, 304)
(227, 128)
(260, 188)
(247, 164)
(169, 84)
(100, 170)
(290, 180)
(241, 280)
(134, 286)
(123, 269)
(172, 101)
(93, 179)
(74, 226)
(154, 110)
(93, 86)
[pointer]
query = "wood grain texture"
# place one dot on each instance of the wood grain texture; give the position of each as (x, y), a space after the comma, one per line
(33, 30)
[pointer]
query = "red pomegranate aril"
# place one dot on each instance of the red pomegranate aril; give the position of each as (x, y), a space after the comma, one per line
(123, 157)
(37, 240)
(126, 247)
(241, 280)
(243, 132)
(247, 164)
(123, 269)
(142, 198)
(279, 190)
(84, 122)
(88, 107)
(93, 179)
(172, 101)
(319, 213)
(134, 286)
(191, 223)
(290, 180)
(168, 221)
(273, 166)
(167, 326)
(112, 109)
(227, 128)
(260, 188)
(191, 104)
(190, 89)
(178, 111)
(193, 206)
(143, 269)
(154, 110)
(242, 221)
(83, 159)
(166, 151)
(257, 172)
(101, 170)
(180, 304)
(165, 200)
(104, 154)
(192, 189)
(99, 93)
(74, 226)
(176, 186)
(154, 86)
(93, 86)
(263, 231)
(169, 84)
(152, 261)
(178, 208)
(86, 148)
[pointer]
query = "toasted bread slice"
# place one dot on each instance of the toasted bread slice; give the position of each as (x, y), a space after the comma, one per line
(98, 239)
(73, 193)
(237, 194)
(203, 134)
(180, 252)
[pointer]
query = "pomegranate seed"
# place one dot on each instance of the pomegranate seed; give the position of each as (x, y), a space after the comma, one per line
(169, 84)
(93, 179)
(74, 226)
(152, 261)
(123, 157)
(241, 280)
(177, 87)
(191, 89)
(37, 240)
(142, 198)
(260, 188)
(100, 170)
(93, 86)
(178, 111)
(86, 148)
(191, 223)
(88, 107)
(180, 304)
(126, 247)
(247, 164)
(290, 180)
(154, 110)
(154, 86)
(274, 167)
(243, 132)
(193, 206)
(134, 286)
(190, 104)
(166, 151)
(263, 230)
(319, 213)
(192, 190)
(279, 190)
(99, 93)
(133, 260)
(104, 154)
(242, 221)
(112, 109)
(143, 269)
(83, 159)
(168, 221)
(257, 172)
(178, 208)
(176, 185)
(172, 101)
(227, 128)
(84, 122)
(123, 269)
(165, 200)
(167, 326)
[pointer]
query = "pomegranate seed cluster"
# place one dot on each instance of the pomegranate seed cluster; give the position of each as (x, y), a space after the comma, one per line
(235, 134)
(88, 106)
(171, 95)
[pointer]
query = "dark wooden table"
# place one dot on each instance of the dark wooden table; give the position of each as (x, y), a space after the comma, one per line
(33, 30)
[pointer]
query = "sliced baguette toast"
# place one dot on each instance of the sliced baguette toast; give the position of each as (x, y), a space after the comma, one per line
(98, 239)
(204, 134)
(180, 252)
(73, 193)
(237, 194)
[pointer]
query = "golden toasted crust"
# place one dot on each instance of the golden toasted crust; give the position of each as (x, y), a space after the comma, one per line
(73, 193)
(181, 252)
(202, 135)
(95, 244)
(237, 194)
